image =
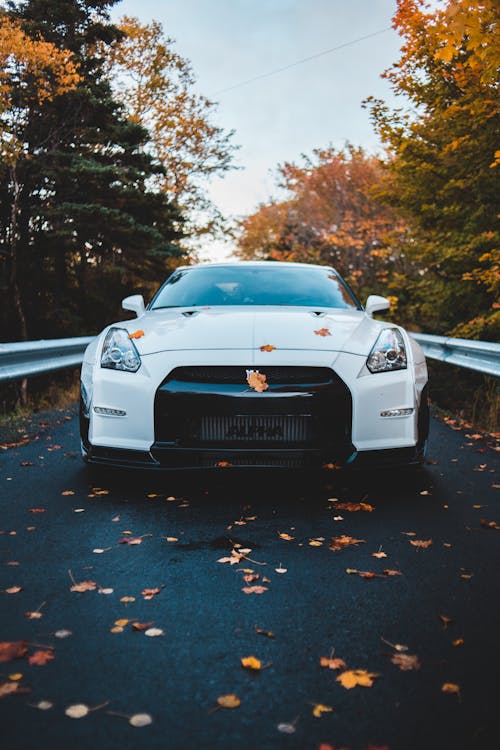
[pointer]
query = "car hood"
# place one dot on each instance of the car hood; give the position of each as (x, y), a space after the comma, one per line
(249, 329)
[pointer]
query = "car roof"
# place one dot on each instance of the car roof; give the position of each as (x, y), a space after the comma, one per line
(258, 263)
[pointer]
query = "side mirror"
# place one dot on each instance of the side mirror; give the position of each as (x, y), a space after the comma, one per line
(135, 303)
(376, 303)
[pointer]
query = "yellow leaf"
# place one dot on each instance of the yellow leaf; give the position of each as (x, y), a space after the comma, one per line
(251, 662)
(353, 677)
(319, 709)
(228, 701)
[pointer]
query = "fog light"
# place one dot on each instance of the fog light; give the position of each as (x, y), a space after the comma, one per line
(109, 412)
(397, 412)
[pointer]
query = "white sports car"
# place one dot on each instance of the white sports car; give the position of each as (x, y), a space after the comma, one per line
(254, 364)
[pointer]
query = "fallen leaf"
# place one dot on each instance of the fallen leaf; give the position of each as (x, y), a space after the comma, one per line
(315, 543)
(40, 658)
(319, 709)
(267, 348)
(251, 577)
(138, 625)
(458, 642)
(286, 728)
(136, 334)
(450, 687)
(362, 573)
(13, 590)
(267, 633)
(154, 632)
(445, 620)
(140, 720)
(10, 650)
(68, 492)
(251, 662)
(43, 705)
(352, 507)
(281, 570)
(63, 633)
(78, 711)
(127, 599)
(16, 676)
(335, 663)
(37, 510)
(379, 555)
(149, 593)
(489, 524)
(323, 332)
(7, 688)
(343, 541)
(257, 381)
(254, 589)
(391, 572)
(228, 701)
(423, 543)
(285, 536)
(84, 586)
(171, 539)
(405, 662)
(353, 677)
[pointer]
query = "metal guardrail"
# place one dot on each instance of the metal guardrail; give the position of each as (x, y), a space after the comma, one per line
(482, 356)
(26, 358)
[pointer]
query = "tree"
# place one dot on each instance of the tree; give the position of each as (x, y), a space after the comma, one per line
(443, 160)
(90, 222)
(155, 83)
(330, 217)
(32, 71)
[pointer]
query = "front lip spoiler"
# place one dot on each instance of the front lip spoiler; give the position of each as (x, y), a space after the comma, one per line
(167, 458)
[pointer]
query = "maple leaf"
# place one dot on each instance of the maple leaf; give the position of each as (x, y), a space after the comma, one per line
(40, 658)
(323, 332)
(285, 536)
(257, 381)
(405, 662)
(340, 542)
(353, 677)
(139, 625)
(254, 589)
(251, 662)
(421, 543)
(267, 348)
(223, 464)
(10, 650)
(136, 335)
(332, 663)
(319, 709)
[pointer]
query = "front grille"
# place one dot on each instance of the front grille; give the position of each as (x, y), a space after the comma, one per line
(261, 428)
(211, 408)
(276, 375)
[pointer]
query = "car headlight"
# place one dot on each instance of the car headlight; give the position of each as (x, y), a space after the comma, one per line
(119, 352)
(388, 352)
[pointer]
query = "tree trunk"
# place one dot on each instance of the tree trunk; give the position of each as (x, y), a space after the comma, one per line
(13, 279)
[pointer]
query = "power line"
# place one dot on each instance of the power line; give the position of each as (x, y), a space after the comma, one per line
(299, 62)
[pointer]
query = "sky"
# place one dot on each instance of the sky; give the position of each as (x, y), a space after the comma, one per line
(279, 117)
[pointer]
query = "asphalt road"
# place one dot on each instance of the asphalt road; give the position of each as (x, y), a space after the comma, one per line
(444, 606)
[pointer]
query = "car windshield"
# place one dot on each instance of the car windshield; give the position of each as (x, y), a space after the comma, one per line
(255, 285)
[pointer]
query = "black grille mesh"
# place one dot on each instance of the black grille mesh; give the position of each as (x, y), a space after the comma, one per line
(230, 374)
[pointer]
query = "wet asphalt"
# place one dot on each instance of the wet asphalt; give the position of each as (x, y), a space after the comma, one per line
(443, 605)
